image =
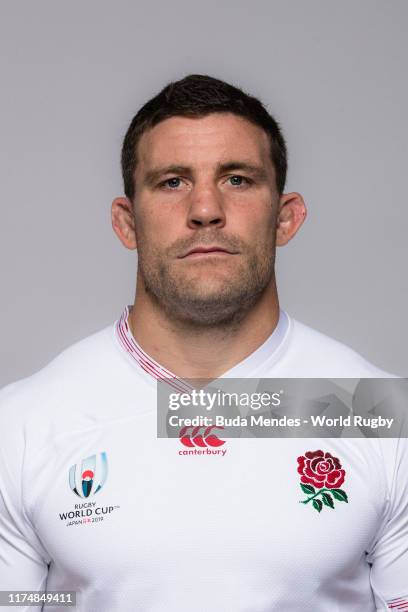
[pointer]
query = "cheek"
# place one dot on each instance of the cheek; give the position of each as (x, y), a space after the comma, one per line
(252, 210)
(157, 226)
(254, 225)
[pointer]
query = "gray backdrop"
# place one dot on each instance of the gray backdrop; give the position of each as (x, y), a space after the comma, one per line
(74, 73)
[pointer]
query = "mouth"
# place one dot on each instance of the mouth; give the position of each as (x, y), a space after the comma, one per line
(206, 251)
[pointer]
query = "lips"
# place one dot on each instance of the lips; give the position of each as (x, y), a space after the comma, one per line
(203, 250)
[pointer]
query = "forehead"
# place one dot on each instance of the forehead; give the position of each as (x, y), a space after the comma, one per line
(205, 140)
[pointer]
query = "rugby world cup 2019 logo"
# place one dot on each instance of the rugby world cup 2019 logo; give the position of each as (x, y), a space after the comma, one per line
(91, 476)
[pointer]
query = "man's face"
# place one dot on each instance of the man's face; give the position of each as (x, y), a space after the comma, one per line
(205, 211)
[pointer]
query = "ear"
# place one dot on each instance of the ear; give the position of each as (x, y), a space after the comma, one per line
(292, 213)
(123, 222)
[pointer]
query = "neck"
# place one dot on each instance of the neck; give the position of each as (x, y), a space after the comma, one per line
(196, 352)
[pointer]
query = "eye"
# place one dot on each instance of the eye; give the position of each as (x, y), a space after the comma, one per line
(171, 183)
(237, 180)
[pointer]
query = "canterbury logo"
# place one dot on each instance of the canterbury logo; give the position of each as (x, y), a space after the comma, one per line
(196, 439)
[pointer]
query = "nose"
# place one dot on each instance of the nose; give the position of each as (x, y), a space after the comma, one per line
(206, 208)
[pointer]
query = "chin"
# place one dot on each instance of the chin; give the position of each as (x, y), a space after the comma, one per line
(210, 281)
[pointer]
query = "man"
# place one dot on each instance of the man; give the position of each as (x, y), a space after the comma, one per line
(93, 501)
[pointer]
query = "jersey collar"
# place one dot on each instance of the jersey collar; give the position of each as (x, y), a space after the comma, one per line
(264, 356)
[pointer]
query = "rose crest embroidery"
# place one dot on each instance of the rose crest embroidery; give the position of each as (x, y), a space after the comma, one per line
(323, 471)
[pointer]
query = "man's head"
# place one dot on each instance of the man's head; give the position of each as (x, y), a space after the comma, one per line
(204, 168)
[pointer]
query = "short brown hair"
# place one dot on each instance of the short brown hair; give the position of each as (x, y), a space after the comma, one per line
(198, 95)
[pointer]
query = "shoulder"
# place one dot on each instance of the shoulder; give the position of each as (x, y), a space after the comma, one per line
(315, 354)
(68, 376)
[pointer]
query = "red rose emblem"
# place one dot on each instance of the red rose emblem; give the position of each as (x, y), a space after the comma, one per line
(321, 470)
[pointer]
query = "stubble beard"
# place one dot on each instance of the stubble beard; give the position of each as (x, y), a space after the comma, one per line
(192, 304)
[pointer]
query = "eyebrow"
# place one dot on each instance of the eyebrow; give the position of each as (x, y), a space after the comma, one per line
(258, 172)
(153, 175)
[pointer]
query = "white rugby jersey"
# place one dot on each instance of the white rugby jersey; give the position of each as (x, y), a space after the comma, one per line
(92, 501)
